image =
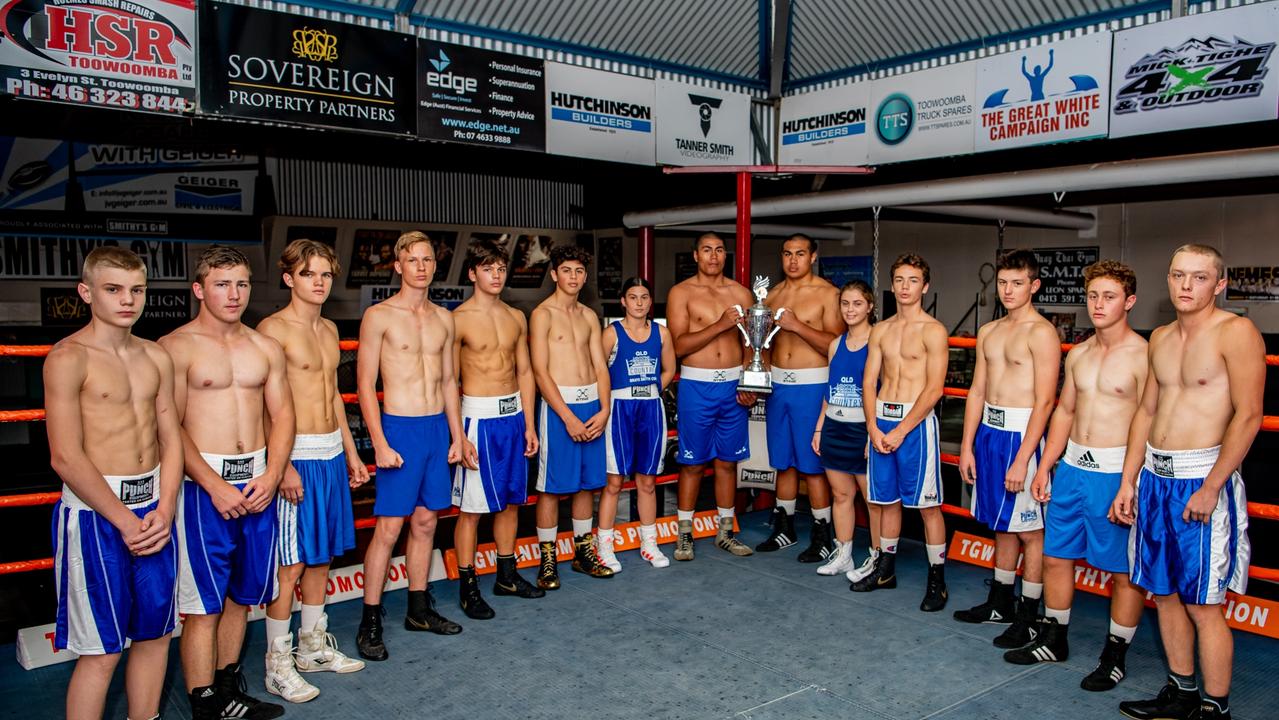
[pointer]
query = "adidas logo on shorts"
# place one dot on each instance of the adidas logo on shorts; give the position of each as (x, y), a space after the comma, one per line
(1162, 465)
(994, 418)
(1086, 461)
(237, 469)
(507, 406)
(894, 411)
(138, 490)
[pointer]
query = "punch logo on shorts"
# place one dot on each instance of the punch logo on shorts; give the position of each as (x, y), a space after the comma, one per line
(894, 411)
(137, 490)
(994, 418)
(237, 469)
(582, 395)
(1029, 516)
(930, 497)
(641, 391)
(1162, 465)
(1086, 461)
(507, 406)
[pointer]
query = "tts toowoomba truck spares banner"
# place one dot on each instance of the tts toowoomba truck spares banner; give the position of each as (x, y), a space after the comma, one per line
(923, 114)
(1209, 69)
(275, 66)
(130, 54)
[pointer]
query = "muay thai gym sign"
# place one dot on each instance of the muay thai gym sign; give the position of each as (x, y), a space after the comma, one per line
(127, 54)
(277, 66)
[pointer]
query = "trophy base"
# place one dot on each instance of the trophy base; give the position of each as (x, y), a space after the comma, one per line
(756, 381)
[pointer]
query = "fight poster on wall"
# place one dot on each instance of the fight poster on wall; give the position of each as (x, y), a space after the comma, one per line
(372, 257)
(127, 54)
(476, 96)
(277, 66)
(1044, 94)
(530, 260)
(1253, 283)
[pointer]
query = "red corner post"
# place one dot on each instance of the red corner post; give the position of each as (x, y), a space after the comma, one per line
(742, 269)
(647, 254)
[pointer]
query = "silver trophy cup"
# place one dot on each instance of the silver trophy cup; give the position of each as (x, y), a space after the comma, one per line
(758, 327)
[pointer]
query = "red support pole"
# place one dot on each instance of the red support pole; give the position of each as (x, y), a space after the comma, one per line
(647, 254)
(742, 267)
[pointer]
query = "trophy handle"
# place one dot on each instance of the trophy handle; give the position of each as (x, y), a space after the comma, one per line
(776, 328)
(746, 338)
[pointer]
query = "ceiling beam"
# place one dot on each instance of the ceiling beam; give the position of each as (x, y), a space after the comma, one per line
(777, 40)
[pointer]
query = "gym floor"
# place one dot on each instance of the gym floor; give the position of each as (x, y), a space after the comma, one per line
(720, 637)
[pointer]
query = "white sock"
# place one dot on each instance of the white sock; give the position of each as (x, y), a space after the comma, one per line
(1005, 577)
(888, 545)
(1061, 616)
(1123, 632)
(547, 534)
(725, 512)
(582, 527)
(936, 554)
(648, 533)
(787, 505)
(682, 515)
(822, 513)
(1032, 590)
(310, 617)
(276, 629)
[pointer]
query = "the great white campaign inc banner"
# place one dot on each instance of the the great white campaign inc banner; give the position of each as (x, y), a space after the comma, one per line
(1209, 69)
(699, 125)
(1044, 94)
(599, 115)
(825, 127)
(923, 114)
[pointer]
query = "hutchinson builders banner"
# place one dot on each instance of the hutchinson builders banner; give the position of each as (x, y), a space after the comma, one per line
(599, 115)
(1209, 69)
(827, 127)
(128, 54)
(1044, 94)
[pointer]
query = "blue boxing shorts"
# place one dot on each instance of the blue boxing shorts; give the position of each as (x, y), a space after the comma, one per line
(107, 596)
(495, 425)
(321, 527)
(911, 474)
(791, 413)
(1197, 561)
(423, 479)
(635, 439)
(844, 439)
(1076, 525)
(996, 444)
(712, 425)
(219, 558)
(563, 465)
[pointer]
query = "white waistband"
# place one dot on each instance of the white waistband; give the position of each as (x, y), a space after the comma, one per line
(573, 394)
(636, 392)
(1105, 460)
(1013, 419)
(133, 490)
(839, 413)
(801, 376)
(317, 447)
(892, 410)
(491, 406)
(237, 468)
(1185, 464)
(728, 374)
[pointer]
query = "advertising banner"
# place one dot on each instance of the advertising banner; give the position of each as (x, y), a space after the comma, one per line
(446, 296)
(826, 127)
(127, 54)
(923, 114)
(1253, 283)
(1208, 69)
(756, 471)
(599, 115)
(842, 269)
(702, 126)
(1044, 94)
(481, 97)
(38, 258)
(1061, 274)
(277, 66)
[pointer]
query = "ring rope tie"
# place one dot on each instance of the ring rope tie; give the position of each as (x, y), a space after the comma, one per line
(1269, 423)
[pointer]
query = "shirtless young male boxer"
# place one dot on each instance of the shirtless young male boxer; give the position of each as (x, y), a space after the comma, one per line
(568, 364)
(1103, 382)
(114, 441)
(905, 372)
(316, 523)
(228, 379)
(1009, 403)
(498, 391)
(1199, 413)
(809, 323)
(702, 313)
(416, 432)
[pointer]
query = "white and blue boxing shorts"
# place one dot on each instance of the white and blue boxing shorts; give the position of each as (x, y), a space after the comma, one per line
(635, 438)
(712, 425)
(1076, 525)
(565, 466)
(996, 444)
(911, 474)
(791, 413)
(322, 526)
(495, 426)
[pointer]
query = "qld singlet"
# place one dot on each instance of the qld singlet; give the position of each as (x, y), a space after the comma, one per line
(847, 368)
(634, 364)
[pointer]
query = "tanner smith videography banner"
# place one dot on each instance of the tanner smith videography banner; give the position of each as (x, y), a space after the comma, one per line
(129, 54)
(481, 97)
(276, 66)
(702, 126)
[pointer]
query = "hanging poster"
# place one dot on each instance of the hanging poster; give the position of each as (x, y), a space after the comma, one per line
(700, 125)
(481, 97)
(1253, 283)
(372, 257)
(127, 54)
(923, 114)
(608, 273)
(1061, 274)
(529, 261)
(826, 127)
(599, 115)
